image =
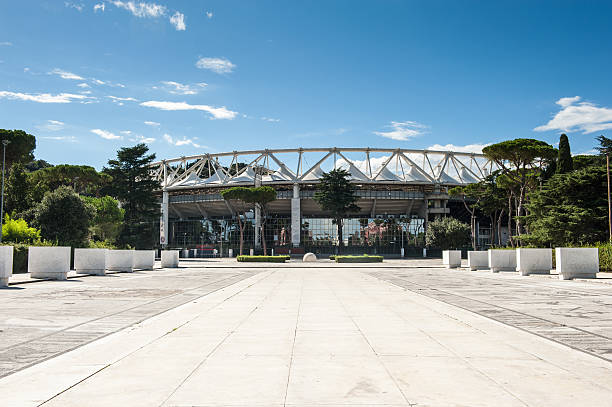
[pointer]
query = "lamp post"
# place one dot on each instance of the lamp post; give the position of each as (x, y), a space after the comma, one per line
(4, 144)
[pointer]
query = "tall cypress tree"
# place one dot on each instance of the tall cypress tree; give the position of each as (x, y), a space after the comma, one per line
(564, 161)
(134, 187)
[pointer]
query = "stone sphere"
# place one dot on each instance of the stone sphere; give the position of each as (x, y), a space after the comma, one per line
(309, 257)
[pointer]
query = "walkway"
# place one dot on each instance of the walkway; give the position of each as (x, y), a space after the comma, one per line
(317, 337)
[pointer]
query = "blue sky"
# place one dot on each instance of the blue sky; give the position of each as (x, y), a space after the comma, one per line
(189, 77)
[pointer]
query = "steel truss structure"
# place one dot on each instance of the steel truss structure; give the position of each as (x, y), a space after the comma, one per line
(290, 167)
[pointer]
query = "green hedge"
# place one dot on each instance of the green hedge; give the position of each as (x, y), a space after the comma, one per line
(359, 259)
(260, 259)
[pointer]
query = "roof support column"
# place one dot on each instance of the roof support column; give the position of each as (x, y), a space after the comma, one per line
(163, 220)
(257, 215)
(296, 216)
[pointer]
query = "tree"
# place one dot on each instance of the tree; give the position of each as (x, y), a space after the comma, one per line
(522, 161)
(21, 146)
(447, 233)
(584, 161)
(239, 196)
(570, 209)
(134, 186)
(108, 218)
(474, 193)
(564, 161)
(83, 179)
(18, 231)
(262, 196)
(63, 217)
(16, 195)
(336, 195)
(37, 165)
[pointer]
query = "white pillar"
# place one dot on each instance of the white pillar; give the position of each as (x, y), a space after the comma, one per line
(257, 215)
(296, 218)
(163, 220)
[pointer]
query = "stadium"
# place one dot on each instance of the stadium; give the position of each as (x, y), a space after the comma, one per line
(399, 191)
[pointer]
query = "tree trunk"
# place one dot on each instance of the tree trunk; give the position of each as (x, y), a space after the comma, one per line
(340, 237)
(474, 232)
(263, 239)
(241, 226)
(519, 211)
(499, 222)
(492, 233)
(510, 220)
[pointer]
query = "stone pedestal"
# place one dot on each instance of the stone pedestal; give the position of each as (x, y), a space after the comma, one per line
(49, 262)
(502, 260)
(451, 258)
(533, 261)
(478, 260)
(169, 258)
(120, 260)
(6, 265)
(144, 259)
(573, 262)
(90, 261)
(309, 257)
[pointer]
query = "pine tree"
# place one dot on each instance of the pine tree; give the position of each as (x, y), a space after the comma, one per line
(16, 194)
(564, 161)
(134, 187)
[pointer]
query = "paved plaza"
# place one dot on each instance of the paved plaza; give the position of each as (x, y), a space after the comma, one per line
(217, 333)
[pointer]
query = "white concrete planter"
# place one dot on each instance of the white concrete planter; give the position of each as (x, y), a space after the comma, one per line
(478, 260)
(169, 258)
(309, 257)
(533, 261)
(90, 261)
(577, 262)
(49, 262)
(144, 259)
(502, 260)
(120, 260)
(6, 265)
(451, 258)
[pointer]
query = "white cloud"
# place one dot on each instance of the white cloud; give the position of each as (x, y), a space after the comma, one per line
(183, 142)
(66, 75)
(83, 85)
(52, 125)
(215, 112)
(117, 99)
(99, 6)
(180, 89)
(217, 65)
(75, 6)
(469, 148)
(142, 9)
(70, 139)
(270, 119)
(142, 139)
(209, 14)
(402, 131)
(574, 115)
(42, 97)
(6, 44)
(105, 134)
(150, 123)
(178, 21)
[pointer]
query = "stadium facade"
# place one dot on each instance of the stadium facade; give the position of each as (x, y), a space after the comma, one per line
(399, 191)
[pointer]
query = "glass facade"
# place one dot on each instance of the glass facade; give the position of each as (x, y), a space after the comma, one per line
(319, 235)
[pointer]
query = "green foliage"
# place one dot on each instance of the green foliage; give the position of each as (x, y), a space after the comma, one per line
(35, 165)
(21, 146)
(101, 244)
(63, 217)
(262, 259)
(16, 194)
(584, 161)
(18, 231)
(134, 186)
(605, 256)
(82, 178)
(447, 233)
(564, 160)
(358, 259)
(571, 209)
(108, 219)
(237, 194)
(262, 196)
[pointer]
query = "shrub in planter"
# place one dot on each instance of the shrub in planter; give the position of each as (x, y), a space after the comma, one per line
(359, 259)
(263, 259)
